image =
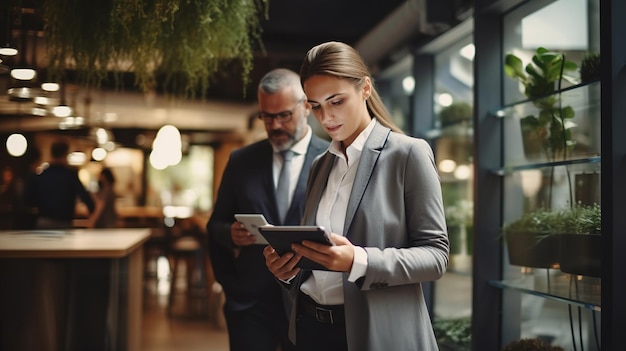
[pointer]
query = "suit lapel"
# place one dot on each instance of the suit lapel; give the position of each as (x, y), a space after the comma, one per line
(371, 151)
(319, 178)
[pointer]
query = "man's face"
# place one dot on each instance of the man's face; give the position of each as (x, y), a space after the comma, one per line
(284, 117)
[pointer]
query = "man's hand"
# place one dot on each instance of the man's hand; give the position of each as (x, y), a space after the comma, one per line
(240, 235)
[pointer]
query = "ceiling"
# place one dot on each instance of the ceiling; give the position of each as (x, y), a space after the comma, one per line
(378, 29)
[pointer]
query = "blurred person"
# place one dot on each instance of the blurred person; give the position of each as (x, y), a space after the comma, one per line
(254, 309)
(10, 198)
(55, 191)
(378, 192)
(105, 214)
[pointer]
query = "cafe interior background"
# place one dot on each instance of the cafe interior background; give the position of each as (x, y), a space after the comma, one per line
(166, 126)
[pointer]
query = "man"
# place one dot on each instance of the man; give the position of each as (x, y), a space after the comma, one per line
(254, 310)
(55, 191)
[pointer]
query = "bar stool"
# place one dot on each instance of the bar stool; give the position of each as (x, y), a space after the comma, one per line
(187, 249)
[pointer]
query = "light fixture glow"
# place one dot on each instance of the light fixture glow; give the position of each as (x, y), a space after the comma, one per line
(468, 51)
(23, 73)
(8, 51)
(447, 166)
(166, 148)
(98, 154)
(462, 172)
(16, 145)
(445, 99)
(41, 100)
(408, 84)
(62, 111)
(76, 158)
(50, 86)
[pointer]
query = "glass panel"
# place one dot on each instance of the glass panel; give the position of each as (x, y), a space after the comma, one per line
(551, 168)
(452, 140)
(187, 184)
(533, 135)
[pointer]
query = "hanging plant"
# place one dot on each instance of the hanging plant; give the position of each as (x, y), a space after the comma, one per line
(177, 45)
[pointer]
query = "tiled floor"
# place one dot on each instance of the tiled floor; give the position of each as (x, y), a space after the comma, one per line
(195, 322)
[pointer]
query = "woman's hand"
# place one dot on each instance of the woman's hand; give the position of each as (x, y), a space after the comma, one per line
(283, 267)
(338, 257)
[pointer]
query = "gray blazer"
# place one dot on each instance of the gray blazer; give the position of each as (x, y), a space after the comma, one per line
(395, 212)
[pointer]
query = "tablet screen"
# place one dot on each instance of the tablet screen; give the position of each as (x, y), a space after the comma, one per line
(252, 222)
(281, 238)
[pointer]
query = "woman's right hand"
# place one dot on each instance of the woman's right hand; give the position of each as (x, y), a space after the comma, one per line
(283, 267)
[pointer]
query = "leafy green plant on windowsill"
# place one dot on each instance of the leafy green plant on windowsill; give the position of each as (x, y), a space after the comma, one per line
(544, 238)
(541, 78)
(453, 334)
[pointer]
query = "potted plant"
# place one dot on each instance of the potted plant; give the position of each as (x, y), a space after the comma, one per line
(569, 237)
(530, 240)
(457, 112)
(453, 334)
(530, 345)
(581, 240)
(548, 132)
(590, 67)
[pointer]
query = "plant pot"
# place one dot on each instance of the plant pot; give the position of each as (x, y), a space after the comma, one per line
(533, 139)
(580, 254)
(533, 249)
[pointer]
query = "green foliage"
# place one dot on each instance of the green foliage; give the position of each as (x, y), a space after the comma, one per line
(455, 113)
(578, 219)
(454, 331)
(184, 42)
(530, 345)
(541, 78)
(460, 214)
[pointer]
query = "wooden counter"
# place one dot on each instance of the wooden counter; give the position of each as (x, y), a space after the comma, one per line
(76, 289)
(73, 243)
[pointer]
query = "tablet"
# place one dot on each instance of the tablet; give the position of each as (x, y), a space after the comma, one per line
(252, 222)
(281, 238)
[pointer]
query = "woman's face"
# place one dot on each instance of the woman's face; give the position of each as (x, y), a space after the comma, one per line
(339, 106)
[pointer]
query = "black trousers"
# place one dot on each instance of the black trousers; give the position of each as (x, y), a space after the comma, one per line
(261, 327)
(316, 330)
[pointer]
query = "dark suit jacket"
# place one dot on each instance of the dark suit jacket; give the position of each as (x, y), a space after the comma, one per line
(247, 187)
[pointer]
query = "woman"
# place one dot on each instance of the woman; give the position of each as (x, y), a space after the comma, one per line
(105, 214)
(379, 194)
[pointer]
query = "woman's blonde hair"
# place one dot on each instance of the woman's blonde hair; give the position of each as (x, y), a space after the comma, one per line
(342, 61)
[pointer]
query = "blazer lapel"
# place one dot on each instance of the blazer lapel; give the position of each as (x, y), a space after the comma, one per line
(371, 151)
(318, 180)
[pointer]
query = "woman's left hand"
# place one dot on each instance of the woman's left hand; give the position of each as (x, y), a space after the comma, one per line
(337, 257)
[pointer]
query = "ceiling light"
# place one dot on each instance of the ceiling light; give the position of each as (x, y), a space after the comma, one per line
(408, 84)
(21, 94)
(468, 51)
(62, 111)
(23, 73)
(16, 145)
(50, 86)
(98, 154)
(8, 51)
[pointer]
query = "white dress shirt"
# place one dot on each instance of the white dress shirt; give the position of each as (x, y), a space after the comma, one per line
(326, 288)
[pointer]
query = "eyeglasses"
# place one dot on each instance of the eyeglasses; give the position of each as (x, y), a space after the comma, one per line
(281, 117)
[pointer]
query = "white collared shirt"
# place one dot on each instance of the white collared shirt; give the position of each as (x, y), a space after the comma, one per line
(299, 154)
(324, 287)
